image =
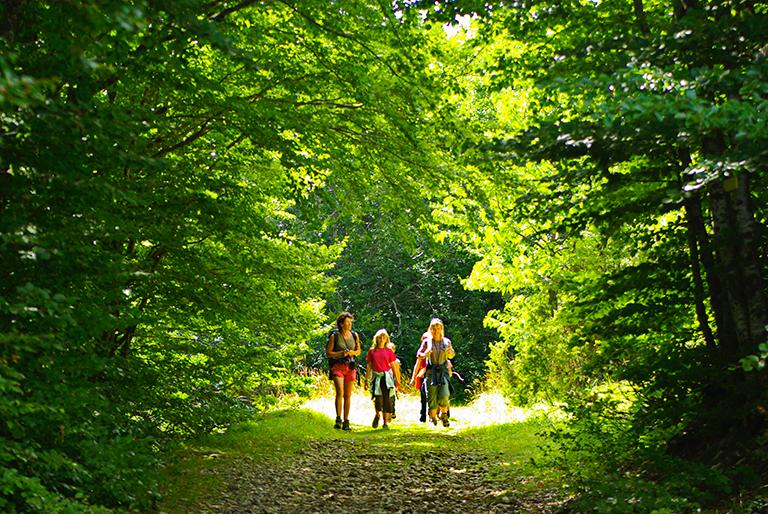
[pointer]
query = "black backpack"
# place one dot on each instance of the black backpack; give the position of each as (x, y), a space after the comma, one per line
(350, 361)
(342, 360)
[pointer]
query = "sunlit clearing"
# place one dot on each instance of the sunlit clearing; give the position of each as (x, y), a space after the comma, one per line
(487, 409)
(493, 409)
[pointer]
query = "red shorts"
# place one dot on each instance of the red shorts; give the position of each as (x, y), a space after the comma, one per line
(343, 370)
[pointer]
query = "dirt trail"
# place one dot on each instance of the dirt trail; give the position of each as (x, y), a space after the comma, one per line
(421, 470)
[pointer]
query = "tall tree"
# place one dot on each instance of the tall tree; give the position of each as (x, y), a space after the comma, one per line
(639, 136)
(154, 159)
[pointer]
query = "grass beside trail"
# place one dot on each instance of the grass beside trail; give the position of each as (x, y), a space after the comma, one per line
(192, 472)
(484, 427)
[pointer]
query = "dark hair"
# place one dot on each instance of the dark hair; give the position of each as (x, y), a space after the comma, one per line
(340, 319)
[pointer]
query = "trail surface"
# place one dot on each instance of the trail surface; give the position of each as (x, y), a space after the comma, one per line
(413, 467)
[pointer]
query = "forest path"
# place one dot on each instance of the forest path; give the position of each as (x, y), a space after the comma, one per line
(413, 467)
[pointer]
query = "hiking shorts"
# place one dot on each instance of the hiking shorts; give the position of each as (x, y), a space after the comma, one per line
(343, 370)
(438, 396)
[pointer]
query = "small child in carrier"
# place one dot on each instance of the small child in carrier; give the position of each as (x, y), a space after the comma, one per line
(382, 379)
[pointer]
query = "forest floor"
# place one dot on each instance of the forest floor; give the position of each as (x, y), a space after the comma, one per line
(294, 461)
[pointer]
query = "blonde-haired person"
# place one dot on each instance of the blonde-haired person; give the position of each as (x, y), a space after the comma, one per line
(383, 381)
(438, 351)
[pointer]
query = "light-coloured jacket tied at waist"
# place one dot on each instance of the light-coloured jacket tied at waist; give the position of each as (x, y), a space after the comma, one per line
(376, 383)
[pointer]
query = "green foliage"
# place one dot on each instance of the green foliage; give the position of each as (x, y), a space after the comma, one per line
(155, 158)
(755, 362)
(631, 475)
(393, 275)
(615, 203)
(188, 189)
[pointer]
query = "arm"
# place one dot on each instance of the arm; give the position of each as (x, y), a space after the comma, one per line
(357, 351)
(425, 348)
(329, 349)
(396, 372)
(449, 351)
(416, 366)
(420, 359)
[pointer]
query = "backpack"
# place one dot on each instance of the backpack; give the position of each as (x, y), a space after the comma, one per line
(343, 360)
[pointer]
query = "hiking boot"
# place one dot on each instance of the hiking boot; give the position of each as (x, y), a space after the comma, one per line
(444, 419)
(345, 426)
(375, 421)
(337, 425)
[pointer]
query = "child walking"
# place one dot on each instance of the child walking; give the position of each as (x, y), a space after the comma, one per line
(383, 381)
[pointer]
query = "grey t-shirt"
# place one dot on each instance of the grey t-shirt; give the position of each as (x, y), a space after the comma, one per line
(341, 344)
(439, 353)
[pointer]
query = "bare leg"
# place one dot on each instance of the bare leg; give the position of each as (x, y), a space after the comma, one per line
(338, 384)
(348, 387)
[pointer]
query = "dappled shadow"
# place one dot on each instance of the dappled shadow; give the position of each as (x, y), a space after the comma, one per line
(356, 475)
(294, 461)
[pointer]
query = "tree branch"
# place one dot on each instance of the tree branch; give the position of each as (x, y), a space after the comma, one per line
(642, 21)
(219, 16)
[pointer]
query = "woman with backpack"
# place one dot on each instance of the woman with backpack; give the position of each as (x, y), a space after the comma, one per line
(343, 347)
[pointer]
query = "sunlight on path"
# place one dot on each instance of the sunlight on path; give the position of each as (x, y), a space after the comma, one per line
(290, 461)
(488, 409)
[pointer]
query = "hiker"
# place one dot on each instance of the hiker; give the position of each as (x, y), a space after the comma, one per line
(343, 347)
(438, 352)
(383, 381)
(417, 375)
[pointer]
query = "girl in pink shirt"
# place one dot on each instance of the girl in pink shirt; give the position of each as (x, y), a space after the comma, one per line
(383, 382)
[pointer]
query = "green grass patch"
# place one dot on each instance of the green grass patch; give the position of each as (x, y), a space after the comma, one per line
(194, 470)
(518, 456)
(197, 470)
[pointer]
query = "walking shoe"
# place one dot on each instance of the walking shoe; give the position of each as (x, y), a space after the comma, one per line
(444, 418)
(345, 426)
(338, 422)
(375, 421)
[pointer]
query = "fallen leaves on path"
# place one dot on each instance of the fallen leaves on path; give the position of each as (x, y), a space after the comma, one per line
(347, 475)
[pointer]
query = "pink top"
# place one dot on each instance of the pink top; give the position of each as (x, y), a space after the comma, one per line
(380, 359)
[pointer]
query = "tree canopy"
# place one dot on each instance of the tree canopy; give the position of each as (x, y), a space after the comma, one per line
(191, 190)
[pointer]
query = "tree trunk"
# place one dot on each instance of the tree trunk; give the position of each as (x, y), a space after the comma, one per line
(642, 21)
(696, 246)
(700, 250)
(735, 238)
(752, 287)
(681, 7)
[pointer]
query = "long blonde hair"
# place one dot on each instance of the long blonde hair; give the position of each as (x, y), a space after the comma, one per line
(437, 322)
(382, 332)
